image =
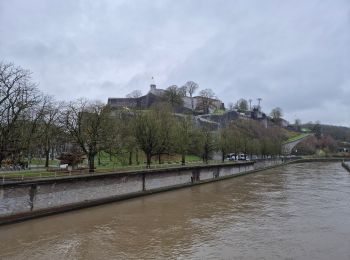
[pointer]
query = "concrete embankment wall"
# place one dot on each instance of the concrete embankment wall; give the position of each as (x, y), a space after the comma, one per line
(345, 162)
(27, 199)
(325, 159)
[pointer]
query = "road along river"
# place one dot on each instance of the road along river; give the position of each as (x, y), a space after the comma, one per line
(299, 211)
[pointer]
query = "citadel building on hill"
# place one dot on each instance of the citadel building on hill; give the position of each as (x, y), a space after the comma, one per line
(157, 95)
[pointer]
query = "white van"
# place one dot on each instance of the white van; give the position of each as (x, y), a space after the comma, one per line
(241, 157)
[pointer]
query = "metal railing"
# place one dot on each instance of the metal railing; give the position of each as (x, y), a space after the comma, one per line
(17, 176)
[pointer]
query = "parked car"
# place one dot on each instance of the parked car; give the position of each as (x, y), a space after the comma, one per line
(231, 157)
(237, 157)
(242, 157)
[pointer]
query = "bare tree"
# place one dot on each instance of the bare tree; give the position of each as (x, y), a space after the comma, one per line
(183, 91)
(207, 142)
(166, 135)
(135, 98)
(225, 141)
(206, 100)
(317, 130)
(48, 126)
(276, 114)
(17, 96)
(242, 105)
(174, 95)
(147, 131)
(115, 133)
(134, 94)
(297, 124)
(183, 136)
(154, 132)
(191, 88)
(84, 121)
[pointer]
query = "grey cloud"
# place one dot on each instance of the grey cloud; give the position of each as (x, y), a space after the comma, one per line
(293, 54)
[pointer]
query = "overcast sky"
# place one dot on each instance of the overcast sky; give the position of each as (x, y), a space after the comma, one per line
(293, 54)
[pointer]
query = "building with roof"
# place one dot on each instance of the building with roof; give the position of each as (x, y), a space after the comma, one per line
(155, 95)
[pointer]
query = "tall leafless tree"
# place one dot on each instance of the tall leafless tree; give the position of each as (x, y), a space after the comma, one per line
(183, 91)
(174, 96)
(191, 88)
(84, 120)
(242, 105)
(183, 136)
(147, 131)
(49, 126)
(276, 114)
(134, 94)
(18, 95)
(206, 101)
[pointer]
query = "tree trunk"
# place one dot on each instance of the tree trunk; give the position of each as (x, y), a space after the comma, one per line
(130, 158)
(91, 161)
(191, 101)
(223, 155)
(183, 159)
(148, 160)
(99, 158)
(159, 158)
(206, 154)
(137, 157)
(47, 157)
(52, 153)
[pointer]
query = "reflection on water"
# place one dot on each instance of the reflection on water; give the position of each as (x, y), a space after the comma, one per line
(299, 211)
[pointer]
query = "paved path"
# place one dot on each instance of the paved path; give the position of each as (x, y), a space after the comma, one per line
(288, 147)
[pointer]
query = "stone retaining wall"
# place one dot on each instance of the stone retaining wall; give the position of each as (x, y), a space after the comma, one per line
(27, 199)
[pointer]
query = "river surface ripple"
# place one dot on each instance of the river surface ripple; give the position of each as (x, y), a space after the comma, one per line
(299, 211)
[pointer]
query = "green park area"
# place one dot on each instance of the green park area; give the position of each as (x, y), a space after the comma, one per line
(91, 136)
(296, 137)
(104, 163)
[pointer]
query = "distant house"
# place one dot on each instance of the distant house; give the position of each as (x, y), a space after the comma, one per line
(343, 147)
(157, 95)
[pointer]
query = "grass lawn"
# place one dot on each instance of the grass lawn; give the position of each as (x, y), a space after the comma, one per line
(219, 112)
(41, 161)
(108, 164)
(122, 161)
(295, 138)
(27, 174)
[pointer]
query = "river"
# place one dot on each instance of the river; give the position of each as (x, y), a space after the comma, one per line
(299, 211)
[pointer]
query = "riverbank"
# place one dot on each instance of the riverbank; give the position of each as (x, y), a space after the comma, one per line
(325, 159)
(34, 198)
(345, 166)
(28, 199)
(297, 210)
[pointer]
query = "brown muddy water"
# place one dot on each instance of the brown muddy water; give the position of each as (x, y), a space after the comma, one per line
(299, 211)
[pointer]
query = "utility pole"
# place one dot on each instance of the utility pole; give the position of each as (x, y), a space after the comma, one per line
(259, 100)
(250, 104)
